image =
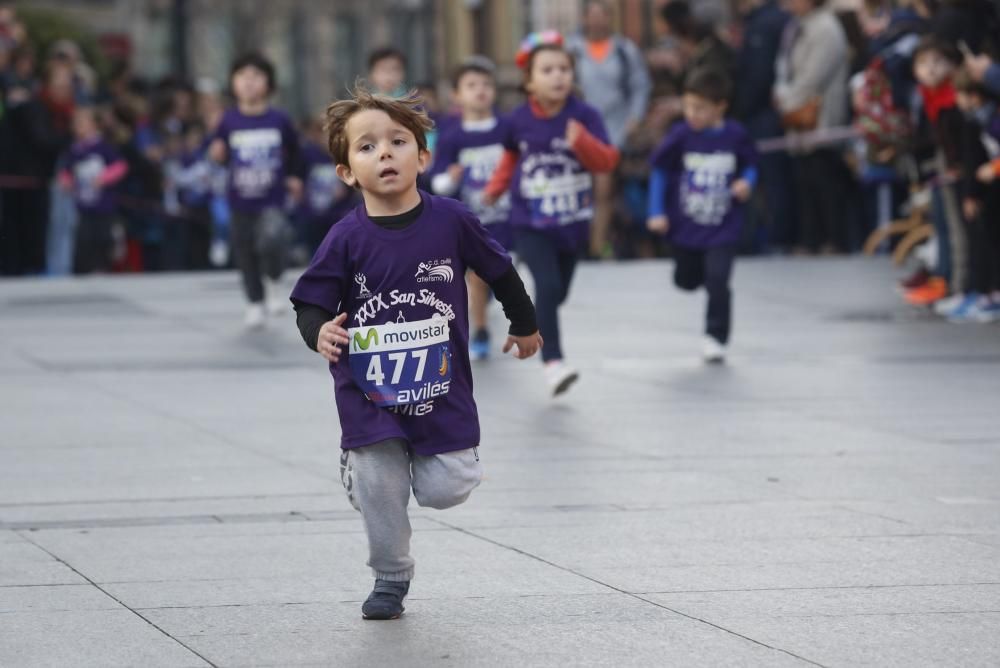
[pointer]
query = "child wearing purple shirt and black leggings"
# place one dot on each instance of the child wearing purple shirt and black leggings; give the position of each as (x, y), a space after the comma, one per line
(703, 172)
(260, 147)
(393, 272)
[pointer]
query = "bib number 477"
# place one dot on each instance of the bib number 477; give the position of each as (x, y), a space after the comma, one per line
(376, 375)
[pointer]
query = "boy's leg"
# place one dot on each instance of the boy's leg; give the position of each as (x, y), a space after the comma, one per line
(244, 235)
(567, 267)
(479, 296)
(539, 253)
(446, 480)
(689, 268)
(718, 270)
(273, 233)
(377, 480)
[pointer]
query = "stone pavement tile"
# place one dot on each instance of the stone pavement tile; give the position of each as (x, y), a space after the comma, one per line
(652, 558)
(905, 626)
(961, 513)
(22, 563)
(98, 638)
(592, 630)
(54, 598)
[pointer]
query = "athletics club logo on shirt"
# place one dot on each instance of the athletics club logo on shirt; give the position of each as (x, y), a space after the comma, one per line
(362, 281)
(435, 271)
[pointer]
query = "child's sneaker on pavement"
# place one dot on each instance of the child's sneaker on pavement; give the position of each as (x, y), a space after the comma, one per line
(915, 280)
(255, 316)
(277, 300)
(712, 351)
(386, 600)
(988, 311)
(479, 346)
(560, 376)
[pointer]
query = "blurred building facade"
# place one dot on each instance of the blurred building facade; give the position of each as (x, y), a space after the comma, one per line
(320, 47)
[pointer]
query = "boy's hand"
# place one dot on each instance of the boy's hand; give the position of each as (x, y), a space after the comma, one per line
(294, 186)
(332, 335)
(526, 345)
(658, 224)
(970, 208)
(985, 173)
(741, 190)
(217, 150)
(573, 130)
(456, 172)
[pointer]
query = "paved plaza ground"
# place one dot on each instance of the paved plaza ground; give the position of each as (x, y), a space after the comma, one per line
(169, 490)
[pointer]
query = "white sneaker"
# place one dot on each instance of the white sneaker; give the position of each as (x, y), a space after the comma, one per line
(944, 307)
(255, 316)
(218, 254)
(712, 351)
(560, 376)
(275, 297)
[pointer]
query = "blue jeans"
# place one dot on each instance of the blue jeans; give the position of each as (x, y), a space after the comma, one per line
(552, 270)
(62, 232)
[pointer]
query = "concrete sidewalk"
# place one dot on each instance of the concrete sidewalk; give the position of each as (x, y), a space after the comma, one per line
(169, 491)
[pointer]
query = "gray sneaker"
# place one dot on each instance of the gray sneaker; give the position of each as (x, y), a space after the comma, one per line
(386, 600)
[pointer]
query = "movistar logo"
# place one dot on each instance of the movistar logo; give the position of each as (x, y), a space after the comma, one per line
(364, 343)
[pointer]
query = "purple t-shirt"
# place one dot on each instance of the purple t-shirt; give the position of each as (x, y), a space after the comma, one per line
(86, 161)
(701, 167)
(258, 149)
(405, 373)
(551, 190)
(479, 152)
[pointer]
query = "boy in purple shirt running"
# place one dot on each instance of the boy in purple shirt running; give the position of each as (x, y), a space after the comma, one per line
(391, 271)
(260, 146)
(467, 154)
(703, 172)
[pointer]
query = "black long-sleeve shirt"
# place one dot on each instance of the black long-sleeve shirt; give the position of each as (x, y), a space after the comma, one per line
(508, 289)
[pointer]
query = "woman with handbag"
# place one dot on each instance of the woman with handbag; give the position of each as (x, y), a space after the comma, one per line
(810, 93)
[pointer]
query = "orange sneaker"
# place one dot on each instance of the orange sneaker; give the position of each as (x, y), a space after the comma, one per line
(934, 289)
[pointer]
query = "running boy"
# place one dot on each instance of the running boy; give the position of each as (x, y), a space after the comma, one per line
(703, 171)
(391, 271)
(467, 155)
(554, 144)
(261, 148)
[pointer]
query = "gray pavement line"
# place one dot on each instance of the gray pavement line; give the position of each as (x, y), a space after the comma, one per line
(822, 588)
(117, 600)
(168, 499)
(638, 597)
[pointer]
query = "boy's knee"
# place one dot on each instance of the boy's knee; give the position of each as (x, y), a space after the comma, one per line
(686, 282)
(443, 497)
(448, 480)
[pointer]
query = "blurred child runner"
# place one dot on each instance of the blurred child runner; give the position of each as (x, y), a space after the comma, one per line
(392, 271)
(326, 198)
(261, 148)
(554, 144)
(93, 167)
(703, 173)
(468, 153)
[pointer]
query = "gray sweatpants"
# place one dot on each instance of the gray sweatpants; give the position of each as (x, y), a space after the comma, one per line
(378, 479)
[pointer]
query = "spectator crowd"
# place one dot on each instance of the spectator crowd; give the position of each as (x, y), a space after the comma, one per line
(864, 116)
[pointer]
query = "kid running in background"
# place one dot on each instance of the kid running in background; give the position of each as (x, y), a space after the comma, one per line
(468, 154)
(703, 171)
(326, 198)
(554, 144)
(93, 167)
(261, 148)
(392, 272)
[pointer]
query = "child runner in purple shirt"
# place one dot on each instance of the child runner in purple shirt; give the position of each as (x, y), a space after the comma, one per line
(392, 272)
(703, 172)
(261, 148)
(467, 154)
(554, 144)
(93, 168)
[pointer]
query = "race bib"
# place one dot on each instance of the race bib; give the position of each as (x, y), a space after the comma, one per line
(401, 363)
(559, 198)
(704, 188)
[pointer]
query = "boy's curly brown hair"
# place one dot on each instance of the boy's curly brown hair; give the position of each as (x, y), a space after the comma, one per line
(408, 111)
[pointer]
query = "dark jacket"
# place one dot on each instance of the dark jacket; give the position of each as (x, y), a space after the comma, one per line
(762, 31)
